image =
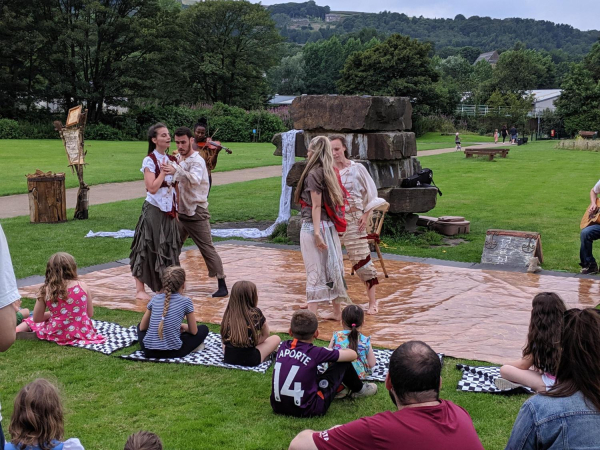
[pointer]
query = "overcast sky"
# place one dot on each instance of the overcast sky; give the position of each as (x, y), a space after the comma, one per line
(582, 14)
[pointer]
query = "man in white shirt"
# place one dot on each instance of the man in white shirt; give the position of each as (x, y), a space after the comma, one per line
(8, 295)
(191, 174)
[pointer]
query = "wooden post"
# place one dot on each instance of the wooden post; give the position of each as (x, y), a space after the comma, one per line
(47, 198)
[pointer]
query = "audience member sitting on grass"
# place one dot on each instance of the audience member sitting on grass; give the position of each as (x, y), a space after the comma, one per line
(568, 415)
(161, 333)
(350, 337)
(244, 329)
(37, 420)
(422, 420)
(537, 368)
(298, 389)
(8, 295)
(143, 440)
(69, 303)
(21, 313)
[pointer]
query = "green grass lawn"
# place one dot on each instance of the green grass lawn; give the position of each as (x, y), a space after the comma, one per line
(536, 188)
(190, 407)
(434, 140)
(32, 244)
(108, 161)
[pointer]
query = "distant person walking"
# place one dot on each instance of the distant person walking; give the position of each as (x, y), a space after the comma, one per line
(513, 135)
(457, 142)
(504, 133)
(496, 136)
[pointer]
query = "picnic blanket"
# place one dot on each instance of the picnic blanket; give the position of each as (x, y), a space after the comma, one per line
(481, 379)
(117, 337)
(382, 358)
(211, 355)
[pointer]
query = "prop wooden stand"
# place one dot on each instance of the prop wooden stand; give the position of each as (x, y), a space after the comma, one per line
(47, 199)
(72, 136)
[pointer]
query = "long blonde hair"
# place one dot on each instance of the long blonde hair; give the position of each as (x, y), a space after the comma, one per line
(172, 279)
(37, 417)
(61, 268)
(240, 315)
(322, 156)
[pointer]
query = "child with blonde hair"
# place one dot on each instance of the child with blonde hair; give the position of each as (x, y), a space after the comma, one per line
(244, 329)
(496, 136)
(37, 421)
(350, 337)
(69, 303)
(160, 332)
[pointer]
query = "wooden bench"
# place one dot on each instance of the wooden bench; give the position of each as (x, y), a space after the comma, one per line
(489, 152)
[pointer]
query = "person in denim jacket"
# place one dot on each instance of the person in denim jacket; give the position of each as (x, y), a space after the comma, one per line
(568, 415)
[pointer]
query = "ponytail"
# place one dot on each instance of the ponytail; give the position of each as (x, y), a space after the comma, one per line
(352, 318)
(172, 279)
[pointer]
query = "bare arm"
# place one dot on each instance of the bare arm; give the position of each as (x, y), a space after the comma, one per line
(90, 303)
(347, 355)
(264, 333)
(152, 183)
(592, 208)
(192, 326)
(38, 311)
(523, 363)
(316, 200)
(8, 323)
(331, 342)
(371, 357)
(303, 441)
(145, 322)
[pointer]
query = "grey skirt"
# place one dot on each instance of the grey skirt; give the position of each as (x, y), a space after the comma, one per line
(155, 246)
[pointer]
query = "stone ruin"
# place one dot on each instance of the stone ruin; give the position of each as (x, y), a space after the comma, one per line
(374, 128)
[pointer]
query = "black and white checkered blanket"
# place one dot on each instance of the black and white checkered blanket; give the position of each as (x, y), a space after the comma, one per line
(117, 337)
(481, 379)
(382, 358)
(211, 355)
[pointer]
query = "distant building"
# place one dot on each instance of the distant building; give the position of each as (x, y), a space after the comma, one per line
(333, 17)
(544, 99)
(491, 57)
(297, 23)
(281, 100)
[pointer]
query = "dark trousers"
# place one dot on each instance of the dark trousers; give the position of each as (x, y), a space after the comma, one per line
(198, 228)
(588, 236)
(189, 343)
(337, 374)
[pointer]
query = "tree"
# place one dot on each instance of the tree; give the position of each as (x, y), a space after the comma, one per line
(92, 47)
(288, 78)
(592, 61)
(230, 46)
(579, 103)
(482, 82)
(399, 66)
(521, 70)
(457, 70)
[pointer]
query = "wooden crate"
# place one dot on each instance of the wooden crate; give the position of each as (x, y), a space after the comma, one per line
(47, 198)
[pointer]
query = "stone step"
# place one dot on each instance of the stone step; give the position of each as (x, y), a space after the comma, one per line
(346, 113)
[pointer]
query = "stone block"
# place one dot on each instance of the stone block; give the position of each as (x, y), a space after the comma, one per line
(344, 113)
(300, 145)
(412, 200)
(293, 229)
(383, 146)
(295, 173)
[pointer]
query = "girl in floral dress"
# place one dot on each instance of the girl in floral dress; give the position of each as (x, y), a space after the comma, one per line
(69, 303)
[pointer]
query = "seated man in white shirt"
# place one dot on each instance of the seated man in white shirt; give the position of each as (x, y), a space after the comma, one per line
(194, 219)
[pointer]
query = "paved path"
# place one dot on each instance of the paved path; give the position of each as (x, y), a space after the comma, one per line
(439, 151)
(18, 205)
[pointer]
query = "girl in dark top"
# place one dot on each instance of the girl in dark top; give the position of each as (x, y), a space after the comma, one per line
(504, 133)
(537, 368)
(244, 329)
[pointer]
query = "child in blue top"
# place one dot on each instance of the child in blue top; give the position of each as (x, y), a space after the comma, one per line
(350, 337)
(37, 420)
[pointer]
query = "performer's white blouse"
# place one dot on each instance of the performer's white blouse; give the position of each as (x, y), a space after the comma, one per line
(360, 185)
(163, 199)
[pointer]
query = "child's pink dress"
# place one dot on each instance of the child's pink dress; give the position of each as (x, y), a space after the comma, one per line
(69, 323)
